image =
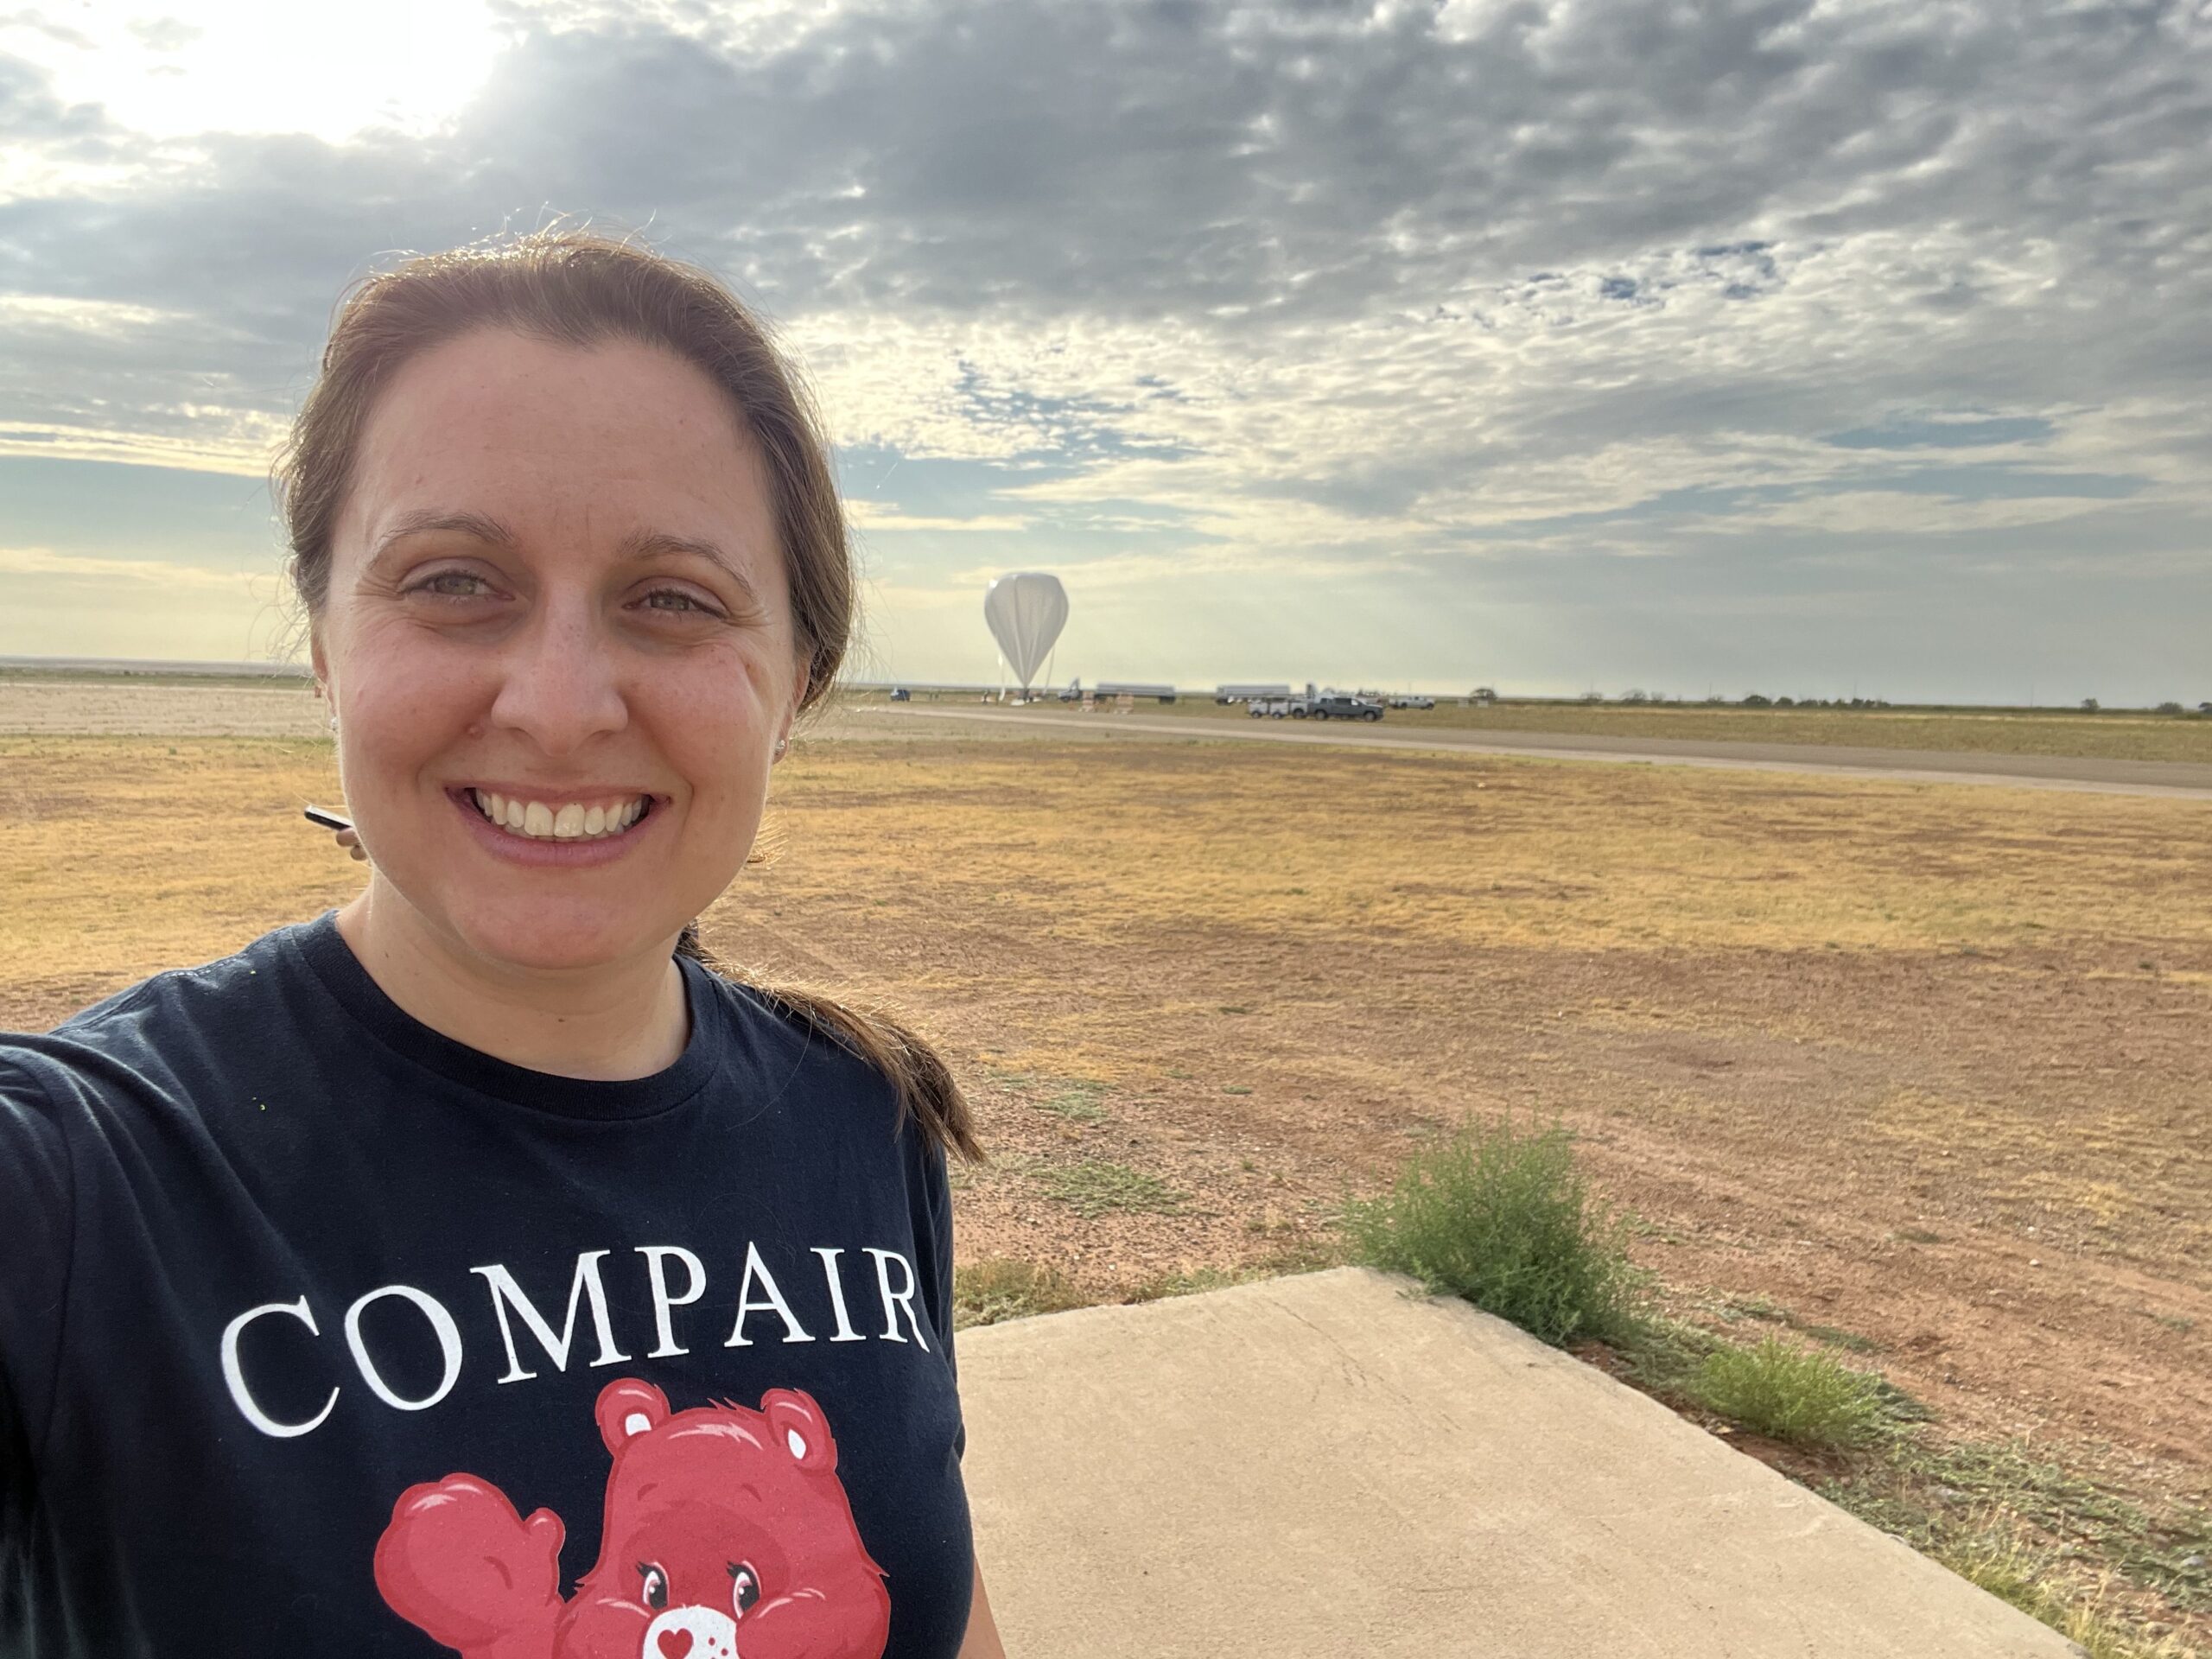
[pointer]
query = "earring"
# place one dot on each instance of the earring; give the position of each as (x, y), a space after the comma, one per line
(782, 743)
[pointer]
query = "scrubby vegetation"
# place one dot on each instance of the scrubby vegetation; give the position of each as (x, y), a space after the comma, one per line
(985, 1292)
(1793, 1393)
(1499, 1214)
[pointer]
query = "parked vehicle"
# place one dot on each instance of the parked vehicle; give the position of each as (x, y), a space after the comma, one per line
(1335, 705)
(1326, 705)
(1410, 700)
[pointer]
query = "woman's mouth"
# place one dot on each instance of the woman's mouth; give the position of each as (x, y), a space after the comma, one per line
(602, 818)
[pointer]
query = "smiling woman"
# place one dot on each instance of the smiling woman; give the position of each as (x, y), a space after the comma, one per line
(291, 1230)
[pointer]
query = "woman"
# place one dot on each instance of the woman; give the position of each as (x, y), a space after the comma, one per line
(472, 1269)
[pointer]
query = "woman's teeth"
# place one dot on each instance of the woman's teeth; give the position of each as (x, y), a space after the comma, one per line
(566, 821)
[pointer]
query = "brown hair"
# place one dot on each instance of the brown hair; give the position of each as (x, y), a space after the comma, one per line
(580, 288)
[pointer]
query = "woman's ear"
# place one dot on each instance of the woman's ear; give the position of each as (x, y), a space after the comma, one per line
(799, 695)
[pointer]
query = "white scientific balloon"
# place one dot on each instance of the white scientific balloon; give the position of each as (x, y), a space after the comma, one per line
(1026, 611)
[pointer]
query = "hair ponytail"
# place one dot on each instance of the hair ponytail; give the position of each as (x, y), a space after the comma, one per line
(927, 1091)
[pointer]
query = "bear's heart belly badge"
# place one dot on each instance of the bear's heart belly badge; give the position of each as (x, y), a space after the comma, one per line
(692, 1633)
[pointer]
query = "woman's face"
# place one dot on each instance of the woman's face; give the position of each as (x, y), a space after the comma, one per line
(556, 580)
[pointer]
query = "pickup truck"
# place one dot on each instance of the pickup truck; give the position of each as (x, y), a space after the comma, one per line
(1334, 706)
(1411, 700)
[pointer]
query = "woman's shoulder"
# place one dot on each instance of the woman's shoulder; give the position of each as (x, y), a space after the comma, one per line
(865, 1056)
(132, 1034)
(789, 1040)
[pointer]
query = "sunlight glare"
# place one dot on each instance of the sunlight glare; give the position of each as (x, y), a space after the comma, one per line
(258, 67)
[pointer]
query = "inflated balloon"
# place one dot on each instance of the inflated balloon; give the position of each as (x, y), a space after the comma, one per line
(1026, 611)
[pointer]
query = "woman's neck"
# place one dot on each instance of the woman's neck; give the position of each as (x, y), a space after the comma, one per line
(614, 1021)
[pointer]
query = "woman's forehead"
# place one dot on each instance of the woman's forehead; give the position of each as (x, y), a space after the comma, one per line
(607, 442)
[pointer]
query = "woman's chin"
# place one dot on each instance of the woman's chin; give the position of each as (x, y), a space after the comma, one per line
(544, 940)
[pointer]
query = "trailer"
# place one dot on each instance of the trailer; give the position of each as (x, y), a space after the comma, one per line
(1249, 693)
(1107, 690)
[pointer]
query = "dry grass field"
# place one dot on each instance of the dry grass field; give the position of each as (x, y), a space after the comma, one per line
(1926, 1071)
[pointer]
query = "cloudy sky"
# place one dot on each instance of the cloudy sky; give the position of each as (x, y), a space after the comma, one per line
(1794, 346)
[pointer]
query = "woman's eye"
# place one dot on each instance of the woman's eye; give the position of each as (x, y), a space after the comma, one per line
(431, 584)
(744, 1588)
(681, 601)
(656, 1592)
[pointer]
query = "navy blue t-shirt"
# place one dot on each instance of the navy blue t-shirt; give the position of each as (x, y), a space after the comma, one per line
(322, 1332)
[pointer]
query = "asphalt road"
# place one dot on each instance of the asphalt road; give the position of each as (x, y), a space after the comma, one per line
(2181, 780)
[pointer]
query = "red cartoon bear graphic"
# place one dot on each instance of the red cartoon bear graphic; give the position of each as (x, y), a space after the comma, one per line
(727, 1536)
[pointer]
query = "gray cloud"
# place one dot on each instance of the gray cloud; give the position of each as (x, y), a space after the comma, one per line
(1427, 273)
(164, 33)
(1157, 158)
(31, 115)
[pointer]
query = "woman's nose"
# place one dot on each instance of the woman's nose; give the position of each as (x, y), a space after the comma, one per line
(561, 683)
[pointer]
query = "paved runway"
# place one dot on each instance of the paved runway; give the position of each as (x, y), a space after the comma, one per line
(2179, 779)
(220, 710)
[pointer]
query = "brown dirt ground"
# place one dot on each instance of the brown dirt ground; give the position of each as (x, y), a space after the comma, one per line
(1779, 1115)
(1931, 1065)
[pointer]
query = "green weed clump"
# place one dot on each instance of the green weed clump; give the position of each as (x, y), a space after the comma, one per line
(1078, 1103)
(1792, 1393)
(987, 1291)
(1095, 1188)
(1499, 1215)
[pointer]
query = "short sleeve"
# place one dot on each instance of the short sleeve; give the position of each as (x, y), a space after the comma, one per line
(36, 1195)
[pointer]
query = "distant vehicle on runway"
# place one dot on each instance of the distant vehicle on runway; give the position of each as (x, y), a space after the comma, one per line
(1336, 705)
(1329, 705)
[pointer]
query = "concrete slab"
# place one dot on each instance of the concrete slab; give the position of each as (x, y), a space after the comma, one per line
(1332, 1464)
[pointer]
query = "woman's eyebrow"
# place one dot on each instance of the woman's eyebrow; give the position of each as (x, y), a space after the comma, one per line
(483, 527)
(648, 544)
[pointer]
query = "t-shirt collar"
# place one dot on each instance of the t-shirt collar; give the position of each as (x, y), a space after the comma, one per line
(322, 949)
